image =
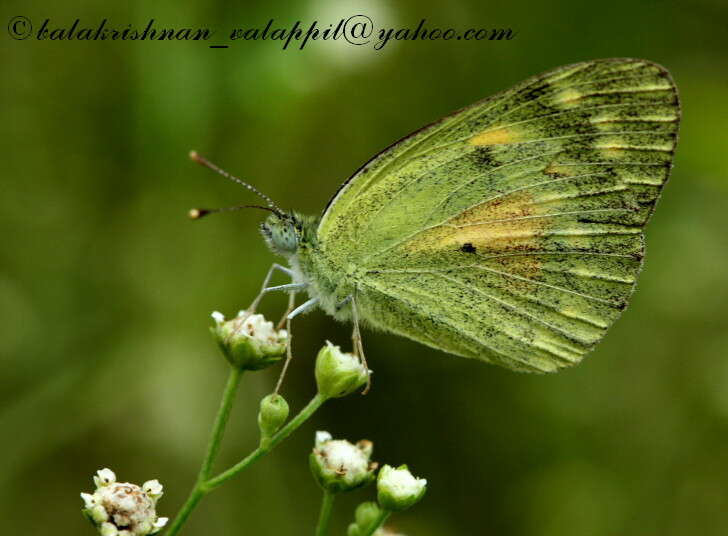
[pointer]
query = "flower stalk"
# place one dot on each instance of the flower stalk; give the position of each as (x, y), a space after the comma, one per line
(249, 342)
(213, 447)
(262, 450)
(327, 504)
(205, 484)
(378, 522)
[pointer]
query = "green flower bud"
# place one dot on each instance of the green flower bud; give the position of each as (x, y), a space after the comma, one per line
(339, 466)
(338, 373)
(397, 489)
(249, 341)
(273, 413)
(366, 514)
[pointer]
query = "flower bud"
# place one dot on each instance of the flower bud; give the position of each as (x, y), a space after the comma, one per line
(338, 373)
(366, 514)
(339, 466)
(249, 341)
(121, 508)
(397, 489)
(273, 413)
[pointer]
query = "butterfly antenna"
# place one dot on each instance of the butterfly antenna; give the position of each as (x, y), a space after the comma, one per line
(195, 157)
(197, 213)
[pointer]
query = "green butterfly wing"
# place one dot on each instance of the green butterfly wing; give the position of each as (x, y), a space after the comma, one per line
(512, 230)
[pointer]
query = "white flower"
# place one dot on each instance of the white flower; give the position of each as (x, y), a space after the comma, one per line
(257, 326)
(121, 508)
(322, 437)
(340, 466)
(104, 477)
(88, 500)
(107, 529)
(397, 489)
(93, 509)
(153, 488)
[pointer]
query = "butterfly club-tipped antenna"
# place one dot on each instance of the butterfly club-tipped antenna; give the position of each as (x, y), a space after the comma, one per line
(198, 213)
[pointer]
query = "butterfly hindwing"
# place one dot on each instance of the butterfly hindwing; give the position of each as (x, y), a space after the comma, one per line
(512, 231)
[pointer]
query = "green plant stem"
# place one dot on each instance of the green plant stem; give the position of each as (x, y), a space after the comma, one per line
(221, 420)
(322, 528)
(213, 447)
(266, 447)
(205, 484)
(383, 515)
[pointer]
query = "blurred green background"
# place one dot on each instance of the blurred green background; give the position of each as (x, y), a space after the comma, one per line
(106, 288)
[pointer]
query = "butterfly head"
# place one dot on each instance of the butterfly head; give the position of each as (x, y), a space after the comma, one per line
(282, 232)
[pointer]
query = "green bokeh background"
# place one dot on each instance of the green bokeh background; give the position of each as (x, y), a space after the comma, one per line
(106, 288)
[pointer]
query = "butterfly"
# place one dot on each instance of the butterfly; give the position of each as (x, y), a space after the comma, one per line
(511, 231)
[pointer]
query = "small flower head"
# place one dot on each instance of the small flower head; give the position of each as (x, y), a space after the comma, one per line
(121, 508)
(397, 489)
(338, 465)
(338, 373)
(273, 413)
(249, 341)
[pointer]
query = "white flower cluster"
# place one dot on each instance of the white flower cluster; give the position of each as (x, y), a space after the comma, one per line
(249, 341)
(340, 465)
(400, 482)
(121, 508)
(254, 326)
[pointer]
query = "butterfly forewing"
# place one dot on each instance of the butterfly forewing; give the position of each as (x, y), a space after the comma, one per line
(511, 231)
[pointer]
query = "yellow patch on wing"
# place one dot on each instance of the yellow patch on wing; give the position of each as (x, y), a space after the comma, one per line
(507, 223)
(577, 314)
(498, 136)
(606, 120)
(615, 146)
(567, 98)
(558, 169)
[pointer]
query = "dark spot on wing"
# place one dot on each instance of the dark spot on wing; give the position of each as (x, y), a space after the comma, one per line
(467, 247)
(484, 157)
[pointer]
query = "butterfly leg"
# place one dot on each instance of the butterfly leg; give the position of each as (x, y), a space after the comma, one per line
(305, 306)
(292, 312)
(289, 352)
(357, 341)
(264, 288)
